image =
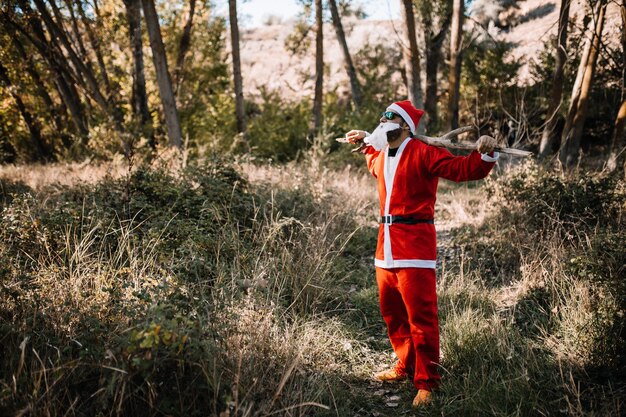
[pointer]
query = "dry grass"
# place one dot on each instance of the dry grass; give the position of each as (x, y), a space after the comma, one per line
(280, 316)
(66, 174)
(353, 186)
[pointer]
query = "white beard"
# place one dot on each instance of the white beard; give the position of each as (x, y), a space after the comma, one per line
(378, 138)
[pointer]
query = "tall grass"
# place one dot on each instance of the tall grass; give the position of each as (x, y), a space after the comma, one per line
(211, 293)
(549, 263)
(111, 288)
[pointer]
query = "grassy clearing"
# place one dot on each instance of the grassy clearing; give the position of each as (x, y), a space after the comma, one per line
(210, 292)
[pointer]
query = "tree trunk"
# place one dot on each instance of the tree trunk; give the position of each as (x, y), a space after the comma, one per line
(237, 79)
(95, 45)
(52, 53)
(556, 95)
(60, 23)
(41, 150)
(139, 96)
(570, 141)
(183, 46)
(618, 141)
(347, 59)
(319, 69)
(70, 98)
(35, 34)
(90, 80)
(75, 29)
(163, 76)
(96, 9)
(39, 85)
(430, 103)
(454, 76)
(411, 59)
(617, 152)
(433, 57)
(58, 34)
(577, 85)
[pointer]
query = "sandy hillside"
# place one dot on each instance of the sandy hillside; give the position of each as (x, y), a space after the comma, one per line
(538, 21)
(266, 62)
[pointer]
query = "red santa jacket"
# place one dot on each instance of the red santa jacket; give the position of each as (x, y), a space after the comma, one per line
(407, 186)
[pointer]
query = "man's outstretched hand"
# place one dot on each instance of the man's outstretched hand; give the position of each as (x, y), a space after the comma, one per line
(486, 144)
(355, 136)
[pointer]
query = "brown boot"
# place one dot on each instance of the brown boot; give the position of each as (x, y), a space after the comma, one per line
(423, 397)
(390, 375)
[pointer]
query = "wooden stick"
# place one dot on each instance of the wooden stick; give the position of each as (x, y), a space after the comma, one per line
(449, 140)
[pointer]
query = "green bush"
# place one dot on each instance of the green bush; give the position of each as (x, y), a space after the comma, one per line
(548, 199)
(278, 128)
(158, 293)
(559, 240)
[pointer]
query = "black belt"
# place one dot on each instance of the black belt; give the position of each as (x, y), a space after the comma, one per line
(404, 220)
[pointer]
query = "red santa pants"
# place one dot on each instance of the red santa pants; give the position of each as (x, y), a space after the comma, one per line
(408, 303)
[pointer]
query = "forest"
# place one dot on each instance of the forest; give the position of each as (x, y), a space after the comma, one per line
(180, 236)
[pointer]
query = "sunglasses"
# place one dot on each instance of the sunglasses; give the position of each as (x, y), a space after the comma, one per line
(389, 115)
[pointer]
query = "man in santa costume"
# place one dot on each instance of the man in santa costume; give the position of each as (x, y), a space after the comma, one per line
(407, 171)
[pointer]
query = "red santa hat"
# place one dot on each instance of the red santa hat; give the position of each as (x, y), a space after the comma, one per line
(408, 112)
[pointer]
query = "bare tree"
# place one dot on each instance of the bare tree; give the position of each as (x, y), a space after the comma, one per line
(319, 68)
(162, 74)
(355, 87)
(618, 142)
(572, 133)
(411, 58)
(556, 95)
(454, 76)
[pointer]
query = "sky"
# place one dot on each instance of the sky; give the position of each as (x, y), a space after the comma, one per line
(253, 12)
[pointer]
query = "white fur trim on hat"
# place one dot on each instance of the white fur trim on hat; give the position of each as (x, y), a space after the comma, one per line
(397, 109)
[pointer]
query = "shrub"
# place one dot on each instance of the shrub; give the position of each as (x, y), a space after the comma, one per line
(555, 238)
(161, 293)
(278, 128)
(548, 199)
